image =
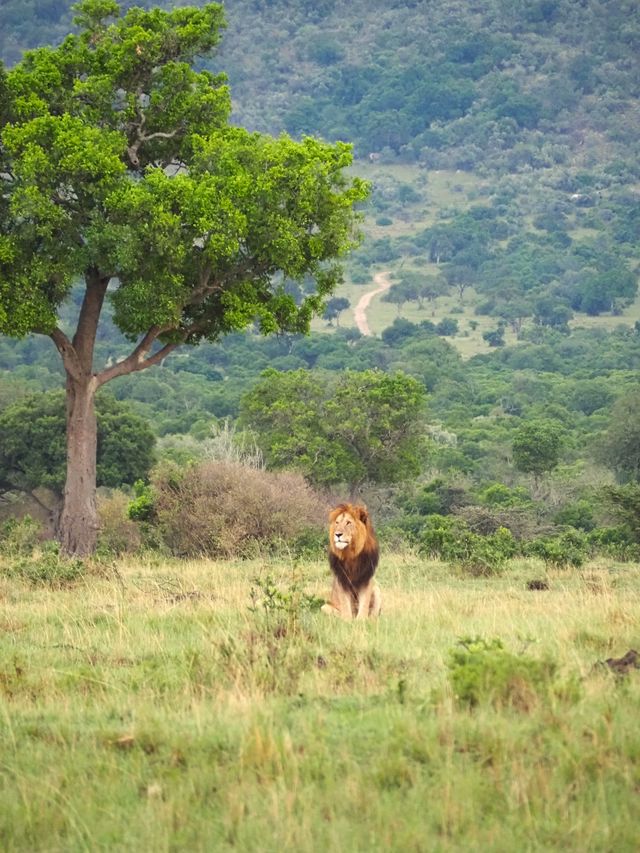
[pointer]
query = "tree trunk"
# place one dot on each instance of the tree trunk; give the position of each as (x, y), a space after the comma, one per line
(79, 519)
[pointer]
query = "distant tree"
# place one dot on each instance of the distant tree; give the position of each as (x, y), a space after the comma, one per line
(624, 502)
(536, 447)
(118, 166)
(514, 311)
(495, 337)
(551, 312)
(335, 306)
(431, 287)
(349, 428)
(399, 331)
(620, 446)
(460, 277)
(447, 327)
(589, 395)
(397, 295)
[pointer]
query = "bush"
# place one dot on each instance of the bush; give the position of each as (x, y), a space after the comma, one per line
(447, 327)
(119, 534)
(616, 542)
(484, 671)
(19, 537)
(224, 509)
(48, 568)
(451, 540)
(569, 549)
(578, 515)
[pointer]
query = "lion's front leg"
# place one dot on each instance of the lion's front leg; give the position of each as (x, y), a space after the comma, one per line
(369, 601)
(375, 605)
(339, 603)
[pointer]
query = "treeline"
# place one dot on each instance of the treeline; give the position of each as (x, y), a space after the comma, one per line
(573, 378)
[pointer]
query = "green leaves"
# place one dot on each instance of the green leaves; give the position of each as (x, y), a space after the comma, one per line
(119, 161)
(33, 449)
(537, 446)
(351, 428)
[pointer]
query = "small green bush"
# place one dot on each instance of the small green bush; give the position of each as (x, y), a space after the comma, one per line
(616, 542)
(484, 671)
(48, 568)
(450, 539)
(578, 515)
(569, 549)
(141, 507)
(19, 537)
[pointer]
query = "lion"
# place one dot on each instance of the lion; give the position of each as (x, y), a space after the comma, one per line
(353, 557)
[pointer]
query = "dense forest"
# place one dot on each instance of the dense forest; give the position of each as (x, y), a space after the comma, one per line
(501, 142)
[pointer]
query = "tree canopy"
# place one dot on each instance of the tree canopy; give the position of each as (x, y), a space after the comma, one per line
(350, 428)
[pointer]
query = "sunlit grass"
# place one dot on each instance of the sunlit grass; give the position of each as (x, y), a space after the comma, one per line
(152, 706)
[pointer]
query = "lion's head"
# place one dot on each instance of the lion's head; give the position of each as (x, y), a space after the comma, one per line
(349, 529)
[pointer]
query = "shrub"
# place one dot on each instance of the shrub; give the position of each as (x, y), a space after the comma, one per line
(499, 495)
(484, 671)
(19, 537)
(569, 549)
(447, 327)
(451, 540)
(119, 534)
(48, 568)
(616, 542)
(141, 507)
(224, 509)
(578, 515)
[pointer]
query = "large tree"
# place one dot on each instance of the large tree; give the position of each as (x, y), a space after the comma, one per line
(537, 446)
(619, 446)
(118, 168)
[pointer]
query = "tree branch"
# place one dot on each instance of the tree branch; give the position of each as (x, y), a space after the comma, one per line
(69, 356)
(85, 337)
(138, 360)
(132, 150)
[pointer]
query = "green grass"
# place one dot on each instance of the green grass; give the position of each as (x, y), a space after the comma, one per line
(152, 706)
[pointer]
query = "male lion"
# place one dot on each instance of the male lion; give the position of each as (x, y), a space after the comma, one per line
(353, 557)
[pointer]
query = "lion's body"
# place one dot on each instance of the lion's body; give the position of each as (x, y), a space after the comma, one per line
(353, 558)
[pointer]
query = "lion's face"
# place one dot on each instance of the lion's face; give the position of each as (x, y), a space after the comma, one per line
(348, 528)
(344, 530)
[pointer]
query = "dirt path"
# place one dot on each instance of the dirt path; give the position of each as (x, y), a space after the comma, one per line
(383, 282)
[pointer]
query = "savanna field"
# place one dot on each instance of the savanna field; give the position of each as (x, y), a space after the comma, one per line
(163, 705)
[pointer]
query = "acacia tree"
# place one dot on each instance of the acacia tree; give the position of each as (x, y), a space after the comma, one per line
(118, 168)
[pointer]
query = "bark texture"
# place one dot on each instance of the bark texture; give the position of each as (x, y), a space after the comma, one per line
(79, 519)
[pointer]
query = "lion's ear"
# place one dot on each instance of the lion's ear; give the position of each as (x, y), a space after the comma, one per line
(363, 514)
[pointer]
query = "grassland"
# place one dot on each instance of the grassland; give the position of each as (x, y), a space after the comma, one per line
(164, 707)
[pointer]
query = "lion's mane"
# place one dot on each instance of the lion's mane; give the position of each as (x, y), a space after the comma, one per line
(353, 566)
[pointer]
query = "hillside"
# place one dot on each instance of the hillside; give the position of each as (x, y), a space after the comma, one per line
(501, 142)
(450, 84)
